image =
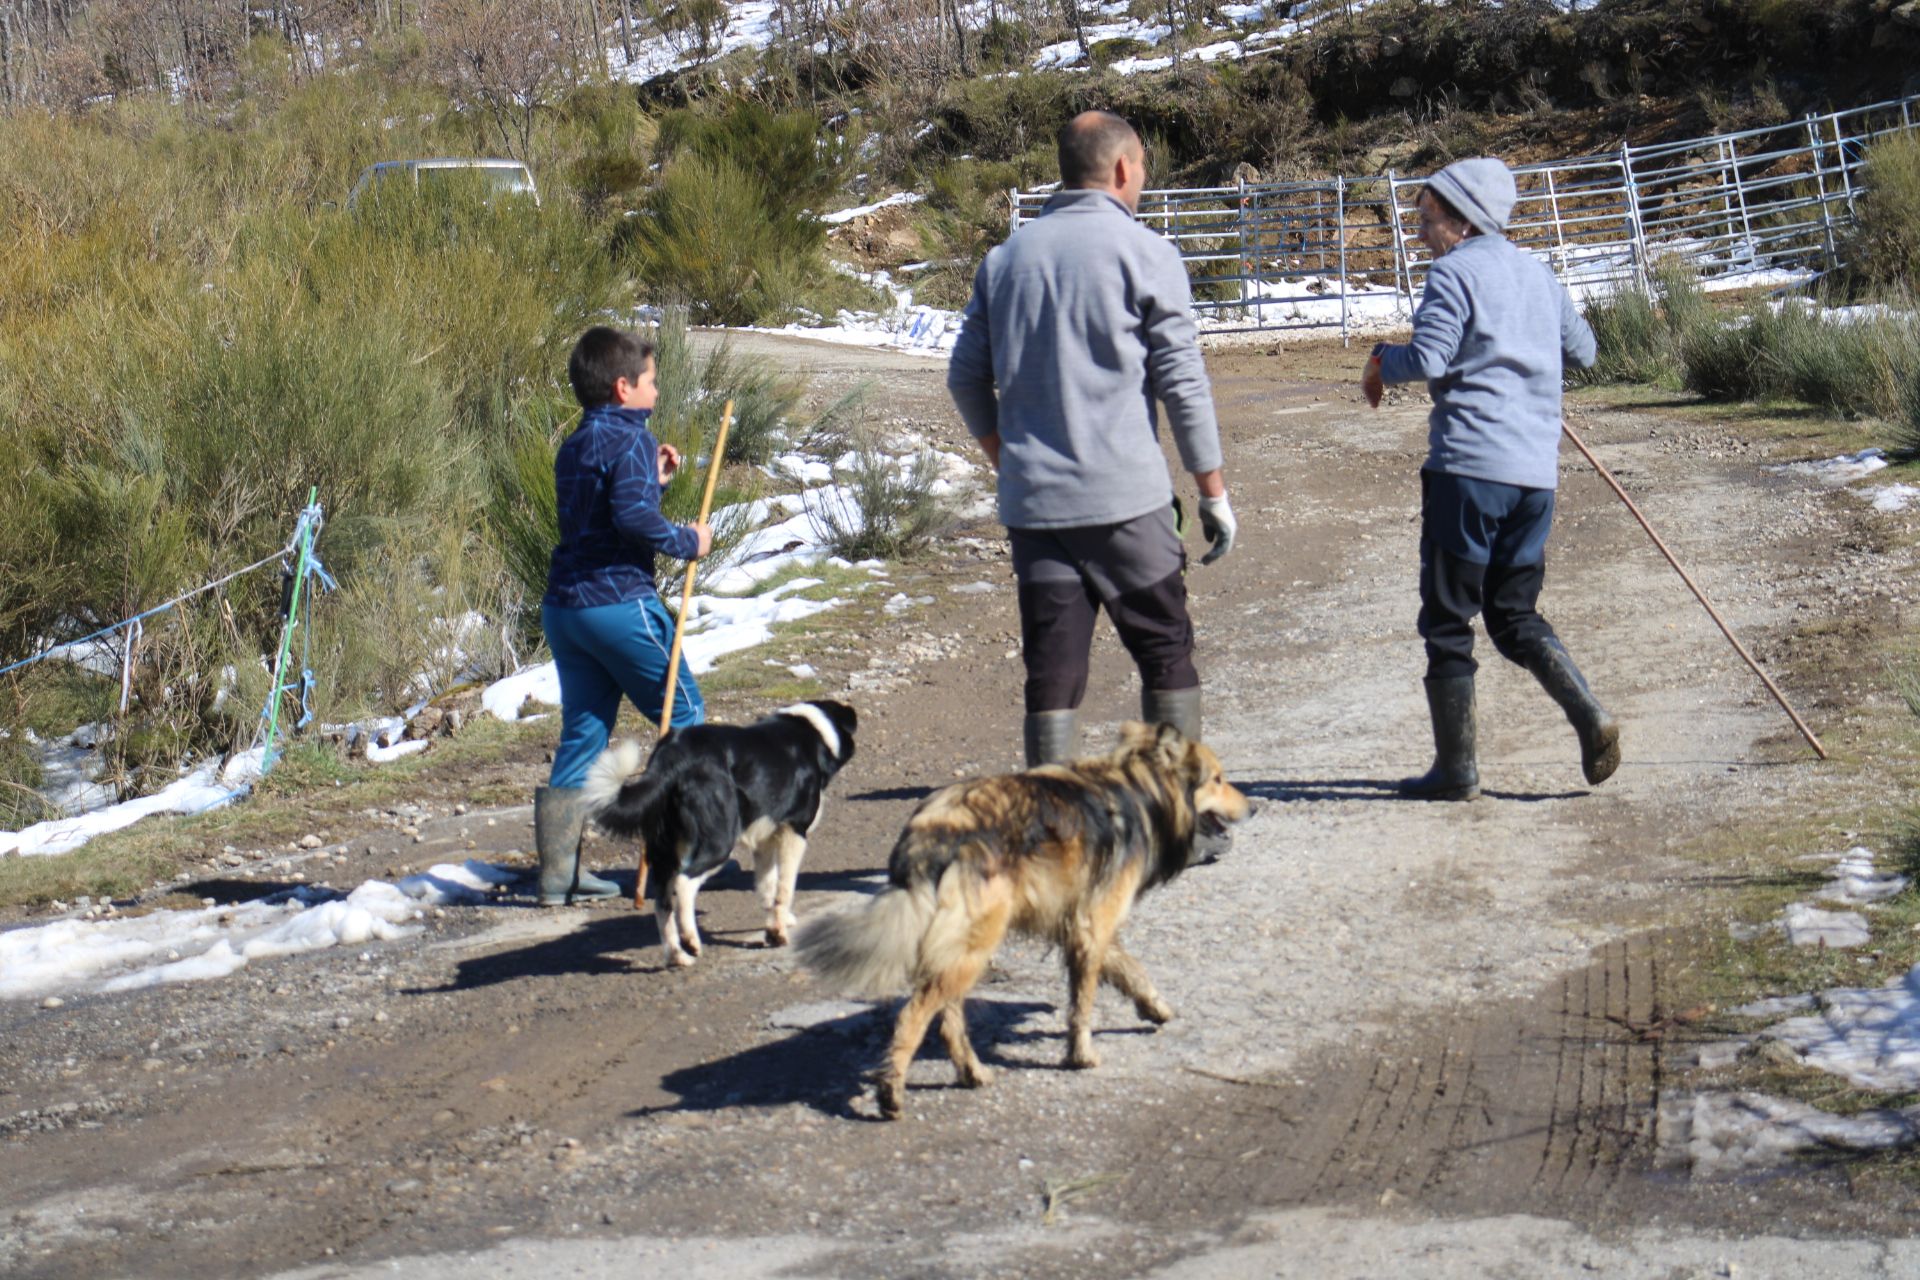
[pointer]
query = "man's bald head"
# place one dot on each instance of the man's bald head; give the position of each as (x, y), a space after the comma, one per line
(1090, 143)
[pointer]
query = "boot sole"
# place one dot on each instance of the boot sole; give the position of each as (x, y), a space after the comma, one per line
(1469, 792)
(1599, 764)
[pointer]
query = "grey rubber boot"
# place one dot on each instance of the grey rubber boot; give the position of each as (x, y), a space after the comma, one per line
(559, 818)
(1455, 775)
(1177, 707)
(1599, 732)
(1181, 709)
(1053, 737)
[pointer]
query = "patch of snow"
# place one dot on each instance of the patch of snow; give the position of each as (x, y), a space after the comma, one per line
(197, 945)
(1727, 1132)
(1894, 497)
(470, 882)
(503, 699)
(1857, 881)
(1869, 1035)
(861, 211)
(974, 589)
(208, 787)
(1844, 469)
(1808, 926)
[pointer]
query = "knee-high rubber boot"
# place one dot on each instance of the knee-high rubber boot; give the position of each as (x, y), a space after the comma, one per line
(559, 818)
(1052, 737)
(1181, 709)
(1455, 774)
(1599, 732)
(1177, 707)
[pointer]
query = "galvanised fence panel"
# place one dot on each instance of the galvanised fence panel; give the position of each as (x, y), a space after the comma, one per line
(1757, 207)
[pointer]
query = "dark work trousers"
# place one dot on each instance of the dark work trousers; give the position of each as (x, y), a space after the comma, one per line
(1482, 549)
(1135, 570)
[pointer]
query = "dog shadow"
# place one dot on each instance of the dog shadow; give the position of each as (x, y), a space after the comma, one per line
(826, 1064)
(1323, 789)
(893, 793)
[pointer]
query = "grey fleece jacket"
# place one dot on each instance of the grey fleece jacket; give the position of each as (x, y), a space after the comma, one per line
(1492, 337)
(1077, 324)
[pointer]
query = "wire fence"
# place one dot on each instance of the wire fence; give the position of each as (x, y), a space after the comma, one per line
(1758, 207)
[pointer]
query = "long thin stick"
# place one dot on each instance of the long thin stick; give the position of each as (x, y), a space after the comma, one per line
(1698, 594)
(680, 623)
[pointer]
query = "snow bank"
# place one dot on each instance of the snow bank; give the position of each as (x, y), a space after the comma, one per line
(208, 787)
(861, 211)
(206, 943)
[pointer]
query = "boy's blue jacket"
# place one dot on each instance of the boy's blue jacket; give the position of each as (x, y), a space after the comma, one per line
(606, 482)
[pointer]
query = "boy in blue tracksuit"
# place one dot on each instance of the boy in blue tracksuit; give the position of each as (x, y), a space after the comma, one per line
(604, 622)
(1492, 337)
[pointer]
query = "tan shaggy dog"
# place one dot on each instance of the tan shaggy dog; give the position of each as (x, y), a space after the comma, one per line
(1060, 853)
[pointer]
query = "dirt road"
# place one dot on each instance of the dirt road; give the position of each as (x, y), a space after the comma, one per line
(1393, 1052)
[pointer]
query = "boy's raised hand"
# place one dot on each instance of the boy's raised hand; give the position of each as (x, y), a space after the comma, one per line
(705, 531)
(669, 462)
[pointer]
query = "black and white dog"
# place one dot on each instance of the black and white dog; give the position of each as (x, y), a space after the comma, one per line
(714, 792)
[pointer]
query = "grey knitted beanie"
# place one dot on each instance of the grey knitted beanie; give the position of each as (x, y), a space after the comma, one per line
(1481, 189)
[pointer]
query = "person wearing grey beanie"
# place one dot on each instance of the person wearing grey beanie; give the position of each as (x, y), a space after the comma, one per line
(1492, 337)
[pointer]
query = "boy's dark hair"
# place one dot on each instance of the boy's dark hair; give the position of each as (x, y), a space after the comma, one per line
(602, 356)
(1090, 143)
(1447, 207)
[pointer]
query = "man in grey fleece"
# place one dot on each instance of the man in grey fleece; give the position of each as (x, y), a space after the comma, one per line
(1492, 336)
(1077, 324)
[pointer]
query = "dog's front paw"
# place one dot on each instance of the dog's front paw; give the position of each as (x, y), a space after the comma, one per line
(679, 959)
(776, 935)
(891, 1095)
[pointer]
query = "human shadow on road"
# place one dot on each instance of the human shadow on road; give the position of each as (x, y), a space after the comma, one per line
(588, 950)
(1285, 789)
(826, 1065)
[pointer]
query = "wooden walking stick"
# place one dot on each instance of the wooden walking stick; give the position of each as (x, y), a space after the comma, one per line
(1698, 594)
(680, 623)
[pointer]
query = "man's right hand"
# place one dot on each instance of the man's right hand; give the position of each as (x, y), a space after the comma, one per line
(705, 531)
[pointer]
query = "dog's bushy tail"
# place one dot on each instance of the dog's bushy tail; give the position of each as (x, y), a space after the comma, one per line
(874, 949)
(619, 797)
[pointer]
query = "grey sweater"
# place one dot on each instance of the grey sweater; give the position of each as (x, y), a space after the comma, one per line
(1492, 336)
(1077, 324)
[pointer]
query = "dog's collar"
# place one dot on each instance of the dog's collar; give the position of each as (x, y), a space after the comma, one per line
(818, 719)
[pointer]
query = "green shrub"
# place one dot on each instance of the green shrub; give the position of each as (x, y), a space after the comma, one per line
(1631, 340)
(1732, 360)
(710, 238)
(1884, 247)
(1906, 414)
(886, 508)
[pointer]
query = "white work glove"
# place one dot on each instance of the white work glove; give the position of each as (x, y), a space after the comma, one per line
(1217, 526)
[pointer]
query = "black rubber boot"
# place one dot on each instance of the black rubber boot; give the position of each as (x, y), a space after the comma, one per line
(559, 818)
(1053, 737)
(1177, 707)
(1599, 732)
(1455, 775)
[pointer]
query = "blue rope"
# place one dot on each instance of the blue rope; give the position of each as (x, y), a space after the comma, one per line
(158, 609)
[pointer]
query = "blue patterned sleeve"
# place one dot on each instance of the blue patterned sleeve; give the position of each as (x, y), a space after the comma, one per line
(634, 495)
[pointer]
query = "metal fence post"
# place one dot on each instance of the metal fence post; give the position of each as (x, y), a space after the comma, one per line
(1820, 179)
(1402, 271)
(1846, 172)
(1013, 210)
(1340, 215)
(1635, 229)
